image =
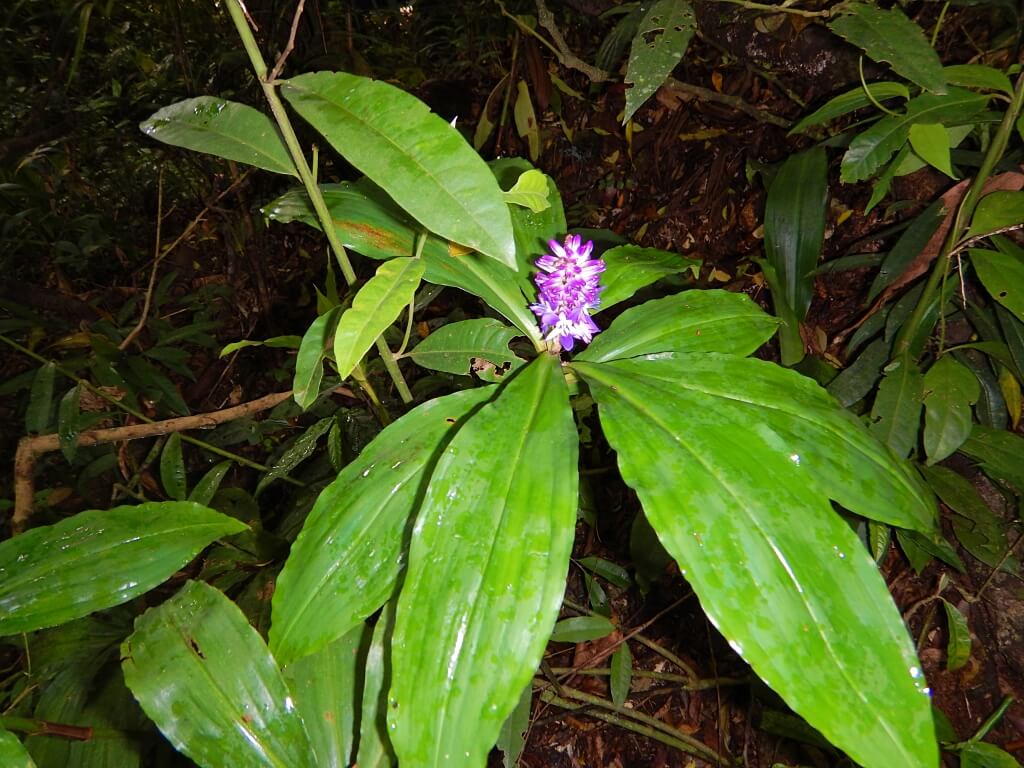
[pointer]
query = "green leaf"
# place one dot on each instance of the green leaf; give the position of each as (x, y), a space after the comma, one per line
(579, 629)
(979, 76)
(912, 162)
(222, 128)
(691, 321)
(907, 248)
(958, 644)
(172, 469)
(300, 449)
(979, 754)
(374, 745)
(309, 363)
(871, 149)
(977, 529)
(622, 674)
(373, 309)
(487, 568)
(512, 737)
(931, 142)
(275, 342)
(858, 378)
(660, 42)
(40, 400)
(996, 211)
(12, 753)
(456, 347)
(423, 163)
(325, 686)
(739, 495)
(889, 36)
(950, 389)
(526, 120)
(606, 569)
(794, 225)
(530, 191)
(1002, 274)
(628, 268)
(896, 413)
(209, 483)
(851, 101)
(67, 422)
(345, 562)
(98, 559)
(204, 676)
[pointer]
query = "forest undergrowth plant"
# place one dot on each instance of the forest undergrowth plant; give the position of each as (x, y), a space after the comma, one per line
(428, 576)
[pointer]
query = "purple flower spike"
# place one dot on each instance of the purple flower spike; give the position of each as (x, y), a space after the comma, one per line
(568, 291)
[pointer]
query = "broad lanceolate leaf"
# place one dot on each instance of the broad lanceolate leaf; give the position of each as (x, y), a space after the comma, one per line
(872, 148)
(423, 163)
(999, 452)
(222, 128)
(794, 225)
(691, 321)
(487, 567)
(344, 564)
(889, 36)
(997, 210)
(896, 414)
(579, 629)
(454, 347)
(851, 101)
(659, 44)
(931, 143)
(373, 309)
(979, 76)
(98, 559)
(1002, 274)
(374, 745)
(737, 491)
(950, 389)
(628, 268)
(325, 687)
(204, 676)
(958, 642)
(12, 753)
(40, 401)
(309, 363)
(172, 469)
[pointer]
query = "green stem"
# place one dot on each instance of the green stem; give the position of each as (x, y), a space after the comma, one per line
(139, 415)
(316, 197)
(910, 329)
(781, 9)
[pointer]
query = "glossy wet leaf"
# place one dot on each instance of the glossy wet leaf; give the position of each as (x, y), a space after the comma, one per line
(68, 413)
(172, 469)
(374, 308)
(794, 225)
(209, 483)
(950, 389)
(889, 36)
(958, 641)
(487, 568)
(12, 753)
(896, 413)
(40, 400)
(98, 559)
(325, 688)
(204, 676)
(579, 629)
(691, 321)
(871, 149)
(455, 347)
(374, 745)
(344, 563)
(621, 674)
(1002, 274)
(222, 128)
(734, 462)
(659, 43)
(851, 101)
(628, 268)
(421, 161)
(309, 362)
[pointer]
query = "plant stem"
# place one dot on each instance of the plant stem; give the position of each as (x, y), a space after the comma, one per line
(316, 198)
(962, 218)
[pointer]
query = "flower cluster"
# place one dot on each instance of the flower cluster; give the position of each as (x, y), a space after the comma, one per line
(568, 291)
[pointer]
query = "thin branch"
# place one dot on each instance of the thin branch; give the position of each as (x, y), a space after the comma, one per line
(706, 94)
(291, 43)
